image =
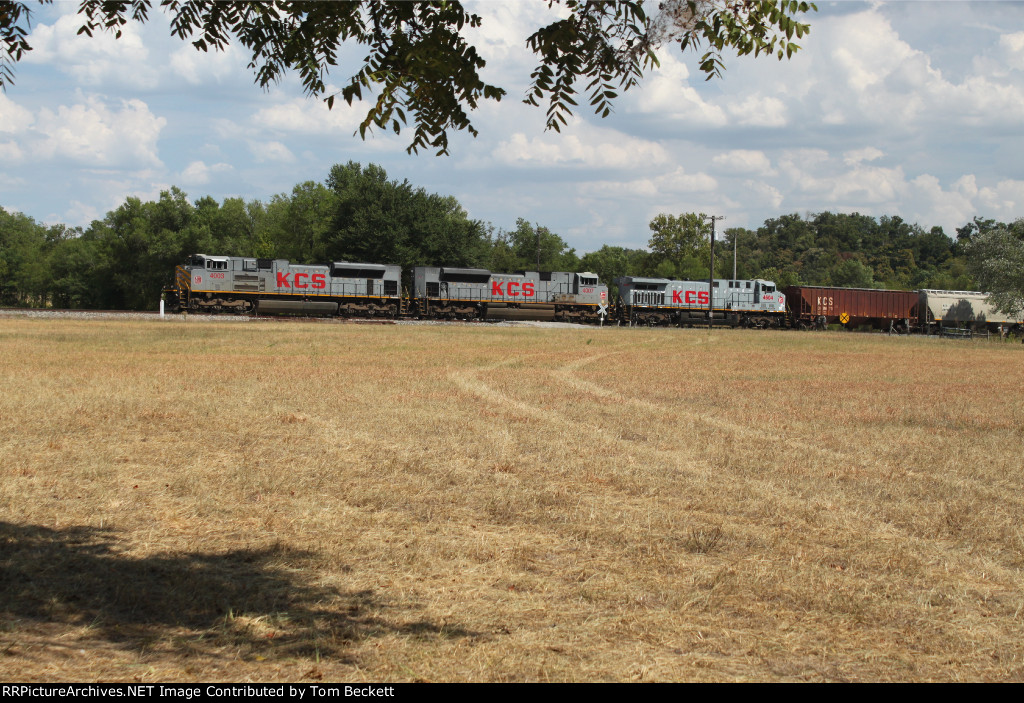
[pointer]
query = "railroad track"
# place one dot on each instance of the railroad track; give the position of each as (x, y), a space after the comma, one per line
(150, 314)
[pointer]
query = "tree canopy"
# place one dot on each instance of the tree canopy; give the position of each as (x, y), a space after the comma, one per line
(996, 258)
(421, 71)
(683, 243)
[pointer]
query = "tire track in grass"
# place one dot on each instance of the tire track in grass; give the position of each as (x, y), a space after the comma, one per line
(469, 382)
(567, 374)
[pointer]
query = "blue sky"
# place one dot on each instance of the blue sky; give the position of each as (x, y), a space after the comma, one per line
(913, 109)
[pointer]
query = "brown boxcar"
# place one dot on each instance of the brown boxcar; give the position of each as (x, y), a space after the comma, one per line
(811, 306)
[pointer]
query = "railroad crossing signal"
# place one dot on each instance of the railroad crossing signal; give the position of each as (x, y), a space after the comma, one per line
(844, 317)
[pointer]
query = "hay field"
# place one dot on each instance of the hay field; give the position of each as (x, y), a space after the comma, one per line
(199, 501)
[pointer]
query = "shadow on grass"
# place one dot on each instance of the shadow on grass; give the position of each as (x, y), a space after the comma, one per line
(258, 601)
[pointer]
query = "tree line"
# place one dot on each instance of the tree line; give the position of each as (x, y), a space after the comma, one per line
(359, 214)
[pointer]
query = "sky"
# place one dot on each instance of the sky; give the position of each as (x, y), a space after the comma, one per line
(909, 109)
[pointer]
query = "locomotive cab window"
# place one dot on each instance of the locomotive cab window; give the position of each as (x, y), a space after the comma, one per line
(214, 265)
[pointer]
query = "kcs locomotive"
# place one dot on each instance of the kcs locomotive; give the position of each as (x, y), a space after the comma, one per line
(220, 284)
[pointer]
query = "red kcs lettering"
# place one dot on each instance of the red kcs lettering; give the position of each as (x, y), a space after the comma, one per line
(690, 297)
(496, 288)
(528, 289)
(319, 280)
(512, 285)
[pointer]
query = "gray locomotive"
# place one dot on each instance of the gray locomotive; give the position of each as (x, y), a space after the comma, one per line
(230, 284)
(663, 301)
(470, 294)
(274, 286)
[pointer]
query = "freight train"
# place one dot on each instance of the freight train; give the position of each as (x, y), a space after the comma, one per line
(219, 284)
(926, 311)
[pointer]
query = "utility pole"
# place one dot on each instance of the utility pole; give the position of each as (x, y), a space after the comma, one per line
(538, 247)
(735, 240)
(711, 275)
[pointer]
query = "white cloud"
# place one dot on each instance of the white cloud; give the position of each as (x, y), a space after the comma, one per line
(1004, 201)
(213, 66)
(815, 174)
(198, 173)
(744, 161)
(270, 151)
(94, 134)
(13, 117)
(865, 186)
(868, 153)
(967, 186)
(870, 75)
(1012, 50)
(310, 116)
(759, 111)
(677, 182)
(758, 194)
(504, 26)
(101, 59)
(79, 212)
(666, 92)
(580, 145)
(926, 201)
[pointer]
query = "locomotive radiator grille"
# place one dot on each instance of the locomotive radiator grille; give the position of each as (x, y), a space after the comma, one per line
(646, 297)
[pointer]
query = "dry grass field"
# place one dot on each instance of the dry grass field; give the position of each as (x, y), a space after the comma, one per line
(188, 500)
